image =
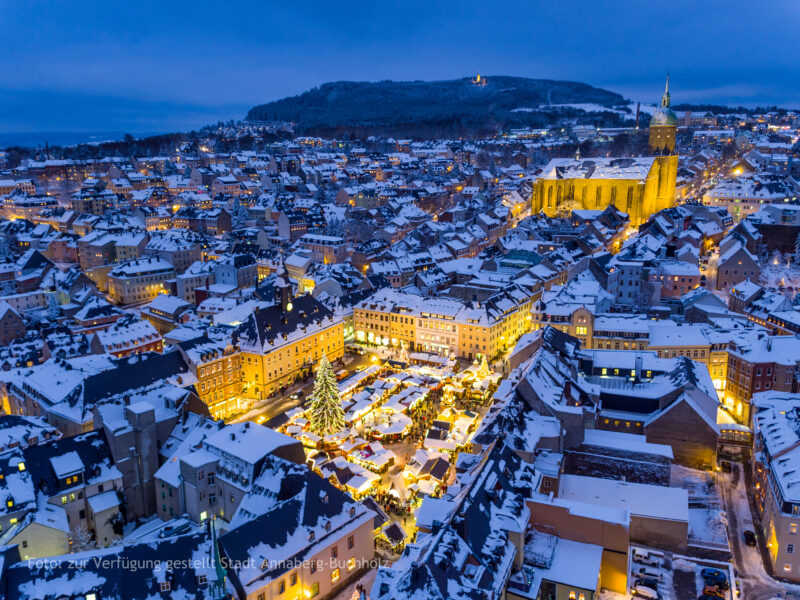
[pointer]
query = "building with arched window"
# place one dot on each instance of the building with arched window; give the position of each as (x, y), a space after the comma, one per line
(638, 186)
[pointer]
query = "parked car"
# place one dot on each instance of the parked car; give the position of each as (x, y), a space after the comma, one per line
(177, 529)
(647, 582)
(726, 466)
(710, 572)
(749, 537)
(715, 577)
(649, 573)
(645, 557)
(645, 592)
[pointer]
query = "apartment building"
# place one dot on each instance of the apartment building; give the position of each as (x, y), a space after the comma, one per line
(139, 280)
(179, 248)
(759, 362)
(77, 483)
(319, 540)
(211, 476)
(444, 326)
(776, 424)
(325, 248)
(127, 336)
(217, 366)
(198, 274)
(280, 344)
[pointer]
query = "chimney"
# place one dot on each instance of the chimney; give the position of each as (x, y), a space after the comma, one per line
(638, 366)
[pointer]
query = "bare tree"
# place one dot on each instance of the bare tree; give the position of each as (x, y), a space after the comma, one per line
(81, 539)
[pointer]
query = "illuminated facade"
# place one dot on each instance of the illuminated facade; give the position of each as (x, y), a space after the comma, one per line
(276, 348)
(281, 344)
(638, 186)
(444, 326)
(217, 366)
(139, 280)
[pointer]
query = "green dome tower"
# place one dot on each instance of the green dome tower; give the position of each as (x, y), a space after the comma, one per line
(663, 126)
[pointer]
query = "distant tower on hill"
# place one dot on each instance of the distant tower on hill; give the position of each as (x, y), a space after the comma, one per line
(663, 127)
(479, 80)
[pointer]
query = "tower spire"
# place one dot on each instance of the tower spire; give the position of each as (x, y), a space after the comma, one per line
(665, 97)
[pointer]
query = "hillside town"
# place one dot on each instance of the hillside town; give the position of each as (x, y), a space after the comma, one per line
(557, 363)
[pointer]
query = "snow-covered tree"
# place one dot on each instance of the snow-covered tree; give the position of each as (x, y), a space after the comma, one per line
(327, 414)
(53, 308)
(335, 227)
(81, 540)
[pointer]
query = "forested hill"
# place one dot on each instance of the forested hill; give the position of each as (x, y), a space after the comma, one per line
(441, 108)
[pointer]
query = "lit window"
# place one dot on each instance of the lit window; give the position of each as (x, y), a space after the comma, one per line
(572, 595)
(21, 466)
(351, 564)
(335, 576)
(164, 586)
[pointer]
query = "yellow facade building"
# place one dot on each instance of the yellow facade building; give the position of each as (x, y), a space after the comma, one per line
(271, 349)
(444, 326)
(638, 186)
(217, 366)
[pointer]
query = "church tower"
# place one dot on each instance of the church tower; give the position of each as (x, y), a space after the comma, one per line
(663, 127)
(283, 288)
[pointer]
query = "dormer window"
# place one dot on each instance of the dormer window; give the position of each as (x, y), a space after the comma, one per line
(311, 537)
(328, 526)
(21, 466)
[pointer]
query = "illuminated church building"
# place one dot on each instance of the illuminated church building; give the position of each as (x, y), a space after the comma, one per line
(639, 186)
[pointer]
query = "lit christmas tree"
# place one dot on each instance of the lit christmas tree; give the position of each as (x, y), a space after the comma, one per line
(327, 415)
(483, 371)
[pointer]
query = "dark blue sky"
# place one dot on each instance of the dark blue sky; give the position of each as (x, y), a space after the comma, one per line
(145, 66)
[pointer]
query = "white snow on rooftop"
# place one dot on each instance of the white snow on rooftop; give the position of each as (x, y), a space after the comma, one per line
(67, 464)
(640, 499)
